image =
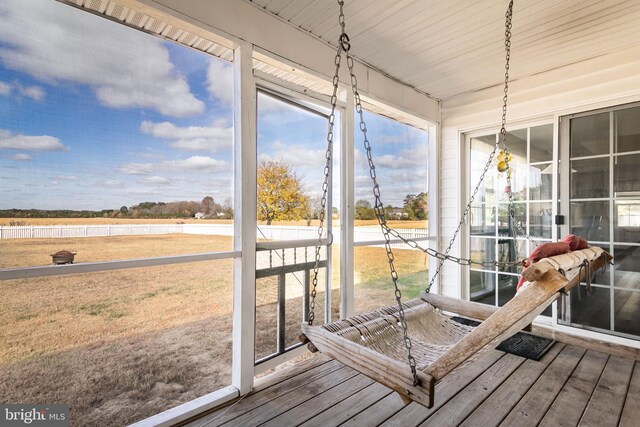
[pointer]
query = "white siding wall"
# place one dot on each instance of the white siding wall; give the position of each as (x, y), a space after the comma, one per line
(599, 82)
(449, 206)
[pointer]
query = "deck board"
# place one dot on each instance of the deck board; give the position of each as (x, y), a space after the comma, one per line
(350, 406)
(280, 375)
(605, 406)
(569, 385)
(320, 402)
(631, 411)
(266, 394)
(574, 396)
(498, 405)
(414, 414)
(533, 406)
(382, 410)
(287, 401)
(465, 402)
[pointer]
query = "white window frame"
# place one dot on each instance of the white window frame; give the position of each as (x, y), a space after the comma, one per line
(465, 178)
(556, 119)
(564, 121)
(297, 97)
(244, 245)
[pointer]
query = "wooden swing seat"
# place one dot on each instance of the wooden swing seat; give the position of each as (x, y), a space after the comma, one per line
(373, 344)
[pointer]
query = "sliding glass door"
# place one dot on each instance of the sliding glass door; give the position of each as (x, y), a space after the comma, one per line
(597, 177)
(493, 235)
(600, 198)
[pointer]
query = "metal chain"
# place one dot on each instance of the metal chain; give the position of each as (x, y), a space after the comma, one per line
(517, 227)
(467, 261)
(379, 208)
(458, 260)
(327, 166)
(503, 133)
(344, 46)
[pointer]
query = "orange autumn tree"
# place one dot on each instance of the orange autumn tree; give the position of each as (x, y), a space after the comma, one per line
(280, 193)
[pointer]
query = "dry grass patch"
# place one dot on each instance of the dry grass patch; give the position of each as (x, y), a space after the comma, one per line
(35, 252)
(49, 314)
(116, 382)
(118, 346)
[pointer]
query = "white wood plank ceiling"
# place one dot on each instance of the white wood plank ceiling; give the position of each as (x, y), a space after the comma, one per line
(449, 47)
(141, 21)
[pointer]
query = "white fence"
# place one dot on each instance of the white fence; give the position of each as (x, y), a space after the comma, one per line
(53, 231)
(264, 232)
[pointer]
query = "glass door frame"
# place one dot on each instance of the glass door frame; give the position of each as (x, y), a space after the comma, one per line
(565, 206)
(465, 193)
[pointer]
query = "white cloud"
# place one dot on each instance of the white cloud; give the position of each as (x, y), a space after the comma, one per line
(66, 178)
(144, 192)
(136, 168)
(34, 92)
(296, 156)
(9, 141)
(155, 180)
(269, 104)
(414, 157)
(195, 163)
(124, 68)
(406, 135)
(150, 154)
(393, 187)
(398, 174)
(191, 138)
(21, 157)
(191, 164)
(111, 183)
(5, 89)
(390, 139)
(220, 81)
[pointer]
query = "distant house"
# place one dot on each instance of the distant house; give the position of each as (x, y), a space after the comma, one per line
(199, 215)
(397, 213)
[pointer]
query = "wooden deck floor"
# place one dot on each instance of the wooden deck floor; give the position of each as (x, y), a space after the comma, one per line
(570, 386)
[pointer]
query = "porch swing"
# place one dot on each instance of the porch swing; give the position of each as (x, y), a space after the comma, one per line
(378, 344)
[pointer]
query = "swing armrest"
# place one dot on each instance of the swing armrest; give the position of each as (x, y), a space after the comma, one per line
(538, 270)
(377, 366)
(506, 321)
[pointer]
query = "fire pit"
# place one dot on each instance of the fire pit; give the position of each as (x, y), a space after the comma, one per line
(63, 257)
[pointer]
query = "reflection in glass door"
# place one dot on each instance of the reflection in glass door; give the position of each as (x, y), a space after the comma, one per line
(492, 235)
(600, 197)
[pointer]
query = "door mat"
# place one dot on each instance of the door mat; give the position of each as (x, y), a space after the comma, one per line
(521, 344)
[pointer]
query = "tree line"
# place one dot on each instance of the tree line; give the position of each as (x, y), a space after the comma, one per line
(415, 207)
(208, 208)
(60, 213)
(281, 197)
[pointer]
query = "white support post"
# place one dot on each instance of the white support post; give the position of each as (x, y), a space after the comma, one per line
(328, 291)
(347, 211)
(244, 296)
(435, 139)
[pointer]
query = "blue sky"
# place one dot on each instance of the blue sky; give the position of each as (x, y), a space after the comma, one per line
(95, 115)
